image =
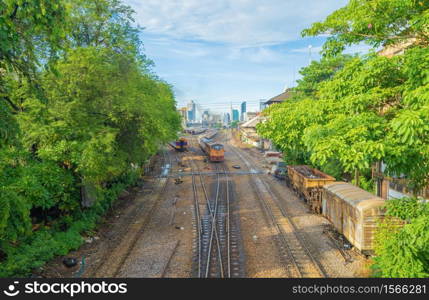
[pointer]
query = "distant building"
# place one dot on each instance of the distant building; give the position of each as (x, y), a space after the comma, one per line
(184, 114)
(279, 98)
(206, 115)
(215, 118)
(249, 115)
(226, 119)
(235, 115)
(205, 118)
(192, 111)
(262, 104)
(191, 116)
(248, 132)
(243, 110)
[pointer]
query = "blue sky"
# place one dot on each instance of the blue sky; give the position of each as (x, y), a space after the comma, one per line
(222, 51)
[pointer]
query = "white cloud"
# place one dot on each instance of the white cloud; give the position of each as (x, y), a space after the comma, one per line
(238, 22)
(315, 50)
(220, 50)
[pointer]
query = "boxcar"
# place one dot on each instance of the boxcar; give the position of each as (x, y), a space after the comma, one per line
(214, 151)
(353, 212)
(210, 134)
(308, 183)
(195, 131)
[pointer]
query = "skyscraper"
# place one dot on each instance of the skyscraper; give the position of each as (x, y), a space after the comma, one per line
(235, 115)
(226, 119)
(243, 110)
(191, 111)
(191, 116)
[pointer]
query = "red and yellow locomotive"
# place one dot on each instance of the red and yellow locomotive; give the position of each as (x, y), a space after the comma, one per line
(214, 151)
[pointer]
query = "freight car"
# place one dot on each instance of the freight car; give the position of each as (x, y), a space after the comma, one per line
(195, 131)
(213, 150)
(210, 134)
(307, 183)
(180, 145)
(353, 212)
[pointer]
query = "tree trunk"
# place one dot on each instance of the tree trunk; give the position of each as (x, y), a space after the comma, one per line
(357, 177)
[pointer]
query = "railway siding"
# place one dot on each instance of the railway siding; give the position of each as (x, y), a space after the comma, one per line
(299, 259)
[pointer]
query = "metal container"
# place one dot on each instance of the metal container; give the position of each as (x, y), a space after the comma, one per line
(308, 183)
(353, 212)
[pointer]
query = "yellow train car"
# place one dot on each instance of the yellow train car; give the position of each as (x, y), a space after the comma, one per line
(308, 183)
(214, 151)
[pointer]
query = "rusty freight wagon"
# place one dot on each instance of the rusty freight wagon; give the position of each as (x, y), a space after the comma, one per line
(353, 212)
(308, 183)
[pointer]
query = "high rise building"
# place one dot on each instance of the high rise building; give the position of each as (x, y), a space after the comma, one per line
(191, 116)
(226, 119)
(243, 110)
(235, 115)
(191, 111)
(205, 118)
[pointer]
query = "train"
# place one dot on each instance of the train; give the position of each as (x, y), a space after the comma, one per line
(307, 182)
(195, 131)
(180, 145)
(211, 134)
(214, 151)
(352, 211)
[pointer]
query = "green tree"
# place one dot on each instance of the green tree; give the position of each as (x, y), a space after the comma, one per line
(377, 108)
(375, 22)
(79, 106)
(403, 251)
(29, 30)
(318, 72)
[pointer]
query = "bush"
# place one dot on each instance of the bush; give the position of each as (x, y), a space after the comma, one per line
(48, 242)
(403, 251)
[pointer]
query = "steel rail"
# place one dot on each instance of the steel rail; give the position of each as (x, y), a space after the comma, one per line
(197, 218)
(228, 224)
(282, 235)
(213, 230)
(296, 232)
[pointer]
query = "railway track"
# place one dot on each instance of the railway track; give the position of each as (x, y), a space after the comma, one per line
(209, 258)
(217, 253)
(121, 251)
(297, 257)
(229, 229)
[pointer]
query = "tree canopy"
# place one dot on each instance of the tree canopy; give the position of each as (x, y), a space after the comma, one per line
(376, 22)
(80, 109)
(348, 113)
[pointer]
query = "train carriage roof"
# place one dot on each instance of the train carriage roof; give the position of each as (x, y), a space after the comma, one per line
(354, 195)
(211, 144)
(205, 140)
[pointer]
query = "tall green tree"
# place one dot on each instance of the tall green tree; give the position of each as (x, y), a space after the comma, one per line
(79, 107)
(375, 22)
(373, 109)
